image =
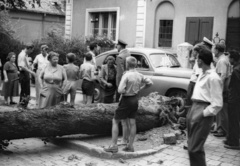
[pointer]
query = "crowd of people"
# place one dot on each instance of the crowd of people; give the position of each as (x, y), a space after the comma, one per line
(213, 93)
(213, 99)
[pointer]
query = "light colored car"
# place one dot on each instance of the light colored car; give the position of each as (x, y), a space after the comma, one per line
(168, 77)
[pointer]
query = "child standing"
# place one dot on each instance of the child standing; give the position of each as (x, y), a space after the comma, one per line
(72, 72)
(129, 87)
(87, 70)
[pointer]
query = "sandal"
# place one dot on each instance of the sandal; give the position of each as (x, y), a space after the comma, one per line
(127, 149)
(112, 149)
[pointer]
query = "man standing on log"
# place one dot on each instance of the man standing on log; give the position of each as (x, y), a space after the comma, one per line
(207, 102)
(131, 83)
(25, 71)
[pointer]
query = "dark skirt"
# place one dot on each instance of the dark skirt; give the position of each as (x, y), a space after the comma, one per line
(87, 87)
(127, 108)
(11, 88)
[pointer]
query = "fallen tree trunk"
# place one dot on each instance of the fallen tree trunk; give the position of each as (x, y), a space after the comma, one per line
(84, 119)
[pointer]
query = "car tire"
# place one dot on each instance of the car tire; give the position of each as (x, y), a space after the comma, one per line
(177, 93)
(97, 93)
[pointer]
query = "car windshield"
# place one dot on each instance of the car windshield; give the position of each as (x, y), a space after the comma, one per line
(164, 60)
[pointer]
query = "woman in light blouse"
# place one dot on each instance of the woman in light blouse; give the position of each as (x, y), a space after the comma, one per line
(52, 79)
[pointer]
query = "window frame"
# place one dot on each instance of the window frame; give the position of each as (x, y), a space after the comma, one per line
(159, 33)
(89, 11)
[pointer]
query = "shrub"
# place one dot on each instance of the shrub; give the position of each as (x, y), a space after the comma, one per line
(57, 43)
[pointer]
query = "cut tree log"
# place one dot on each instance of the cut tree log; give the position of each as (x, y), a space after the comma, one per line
(83, 119)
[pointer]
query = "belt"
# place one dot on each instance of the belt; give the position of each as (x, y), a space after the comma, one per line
(201, 102)
(52, 83)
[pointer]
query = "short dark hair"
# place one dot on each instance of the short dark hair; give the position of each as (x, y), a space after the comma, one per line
(71, 57)
(29, 46)
(88, 56)
(199, 47)
(234, 55)
(92, 46)
(206, 56)
(52, 54)
(220, 47)
(10, 54)
(131, 61)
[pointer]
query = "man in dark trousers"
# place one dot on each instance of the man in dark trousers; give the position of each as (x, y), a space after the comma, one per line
(121, 68)
(25, 71)
(232, 141)
(207, 102)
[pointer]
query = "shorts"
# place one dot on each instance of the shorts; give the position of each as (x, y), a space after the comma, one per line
(70, 87)
(127, 108)
(87, 87)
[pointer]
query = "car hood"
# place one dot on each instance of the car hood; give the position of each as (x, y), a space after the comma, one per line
(173, 72)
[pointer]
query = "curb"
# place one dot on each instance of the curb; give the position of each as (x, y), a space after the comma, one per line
(100, 153)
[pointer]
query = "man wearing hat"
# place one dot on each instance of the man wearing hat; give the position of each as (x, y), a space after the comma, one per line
(41, 61)
(121, 68)
(121, 59)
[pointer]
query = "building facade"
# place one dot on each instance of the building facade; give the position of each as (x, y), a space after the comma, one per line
(156, 23)
(36, 20)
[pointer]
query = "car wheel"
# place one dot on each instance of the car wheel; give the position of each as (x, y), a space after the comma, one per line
(177, 93)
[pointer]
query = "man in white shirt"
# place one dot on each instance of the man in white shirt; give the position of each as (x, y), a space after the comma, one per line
(223, 69)
(25, 71)
(41, 61)
(207, 102)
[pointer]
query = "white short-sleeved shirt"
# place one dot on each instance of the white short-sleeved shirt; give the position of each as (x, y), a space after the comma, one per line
(23, 59)
(41, 61)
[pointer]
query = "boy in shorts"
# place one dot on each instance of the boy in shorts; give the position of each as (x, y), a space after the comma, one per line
(87, 70)
(129, 87)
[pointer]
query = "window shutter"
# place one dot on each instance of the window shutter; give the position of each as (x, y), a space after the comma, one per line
(192, 28)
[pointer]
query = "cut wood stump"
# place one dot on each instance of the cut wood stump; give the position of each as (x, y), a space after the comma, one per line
(83, 119)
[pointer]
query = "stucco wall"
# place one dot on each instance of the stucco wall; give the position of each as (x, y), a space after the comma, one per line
(188, 8)
(127, 23)
(31, 26)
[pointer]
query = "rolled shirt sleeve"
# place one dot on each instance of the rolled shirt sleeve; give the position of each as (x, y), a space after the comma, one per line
(147, 81)
(216, 89)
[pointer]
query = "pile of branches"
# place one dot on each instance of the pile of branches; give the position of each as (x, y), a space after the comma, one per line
(171, 110)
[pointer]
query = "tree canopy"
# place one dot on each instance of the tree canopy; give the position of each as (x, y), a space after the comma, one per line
(15, 4)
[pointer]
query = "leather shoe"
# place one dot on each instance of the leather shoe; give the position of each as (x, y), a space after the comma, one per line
(219, 135)
(232, 147)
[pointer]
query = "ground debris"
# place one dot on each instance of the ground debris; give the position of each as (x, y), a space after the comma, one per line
(122, 161)
(73, 157)
(158, 162)
(91, 164)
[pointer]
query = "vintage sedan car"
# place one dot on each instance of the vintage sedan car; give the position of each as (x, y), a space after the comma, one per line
(162, 67)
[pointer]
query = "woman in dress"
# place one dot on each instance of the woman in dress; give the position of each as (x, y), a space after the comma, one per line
(52, 79)
(108, 80)
(11, 83)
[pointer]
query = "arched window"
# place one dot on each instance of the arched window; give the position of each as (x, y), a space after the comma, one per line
(165, 14)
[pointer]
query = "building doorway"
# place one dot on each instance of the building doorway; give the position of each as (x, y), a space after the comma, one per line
(197, 28)
(233, 26)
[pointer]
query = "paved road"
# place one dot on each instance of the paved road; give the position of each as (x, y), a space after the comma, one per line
(33, 152)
